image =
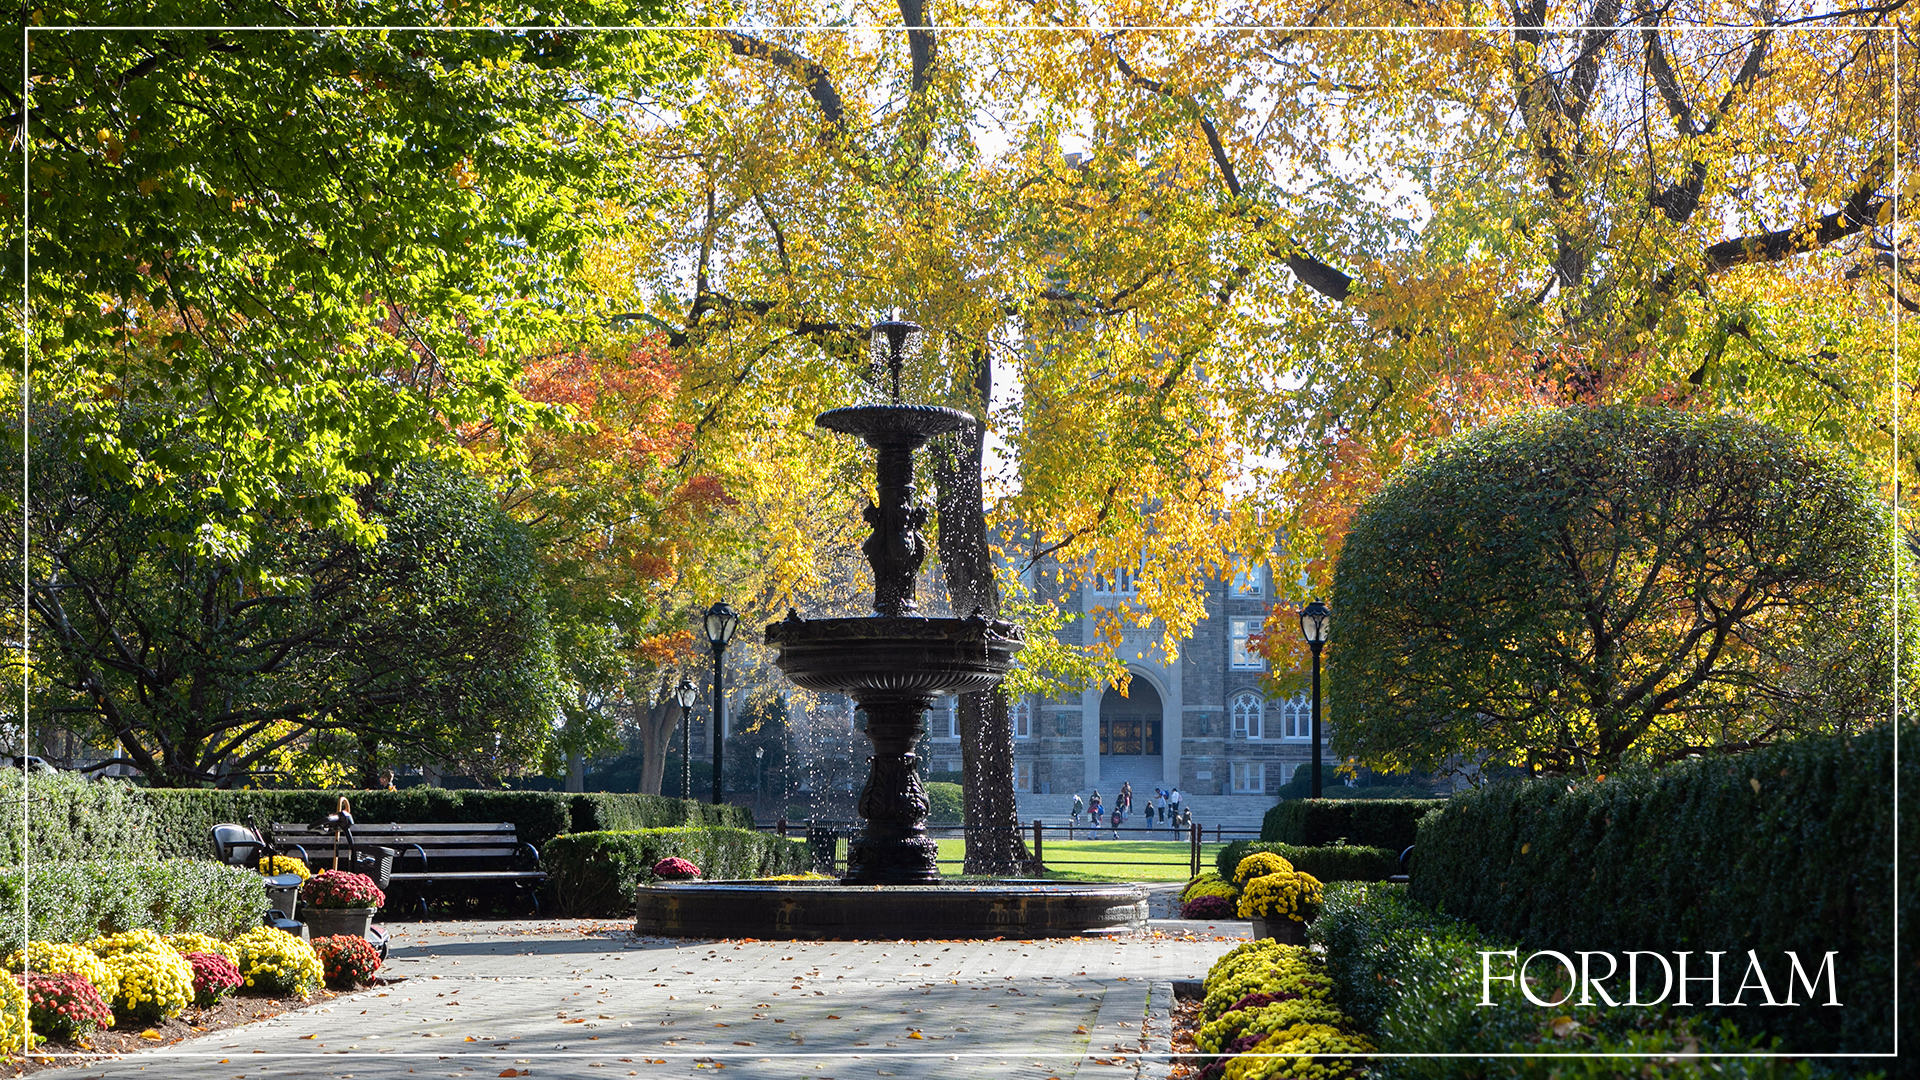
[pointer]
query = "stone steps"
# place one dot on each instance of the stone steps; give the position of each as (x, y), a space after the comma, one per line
(1236, 816)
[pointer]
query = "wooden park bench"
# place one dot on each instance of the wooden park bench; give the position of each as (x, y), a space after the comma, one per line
(455, 857)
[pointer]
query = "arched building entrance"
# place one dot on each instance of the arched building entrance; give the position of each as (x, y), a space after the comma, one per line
(1130, 732)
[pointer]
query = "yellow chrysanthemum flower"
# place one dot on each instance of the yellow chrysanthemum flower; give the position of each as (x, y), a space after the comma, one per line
(48, 956)
(1259, 864)
(275, 962)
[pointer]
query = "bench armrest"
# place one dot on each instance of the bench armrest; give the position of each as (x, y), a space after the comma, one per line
(532, 850)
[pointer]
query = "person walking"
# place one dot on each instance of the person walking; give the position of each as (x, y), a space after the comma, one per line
(1094, 810)
(1077, 807)
(1160, 806)
(1116, 819)
(1173, 801)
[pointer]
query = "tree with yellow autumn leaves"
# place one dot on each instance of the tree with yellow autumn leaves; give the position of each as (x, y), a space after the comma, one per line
(1286, 259)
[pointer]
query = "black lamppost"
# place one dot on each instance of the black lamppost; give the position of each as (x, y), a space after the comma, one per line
(684, 694)
(759, 775)
(1313, 627)
(721, 622)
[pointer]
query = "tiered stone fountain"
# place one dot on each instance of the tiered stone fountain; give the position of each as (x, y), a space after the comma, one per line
(893, 664)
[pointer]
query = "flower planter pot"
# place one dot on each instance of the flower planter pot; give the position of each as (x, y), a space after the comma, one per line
(326, 922)
(1286, 931)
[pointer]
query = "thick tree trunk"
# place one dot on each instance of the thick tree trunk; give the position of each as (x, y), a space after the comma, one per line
(366, 762)
(659, 723)
(994, 843)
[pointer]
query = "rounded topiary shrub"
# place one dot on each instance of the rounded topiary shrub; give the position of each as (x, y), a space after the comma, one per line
(1574, 589)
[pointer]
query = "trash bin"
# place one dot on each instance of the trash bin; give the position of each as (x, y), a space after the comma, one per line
(283, 893)
(822, 845)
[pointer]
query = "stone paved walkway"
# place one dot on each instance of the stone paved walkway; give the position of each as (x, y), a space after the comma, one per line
(570, 998)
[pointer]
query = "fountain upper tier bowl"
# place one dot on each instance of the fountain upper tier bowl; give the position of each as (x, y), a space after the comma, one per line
(889, 423)
(908, 656)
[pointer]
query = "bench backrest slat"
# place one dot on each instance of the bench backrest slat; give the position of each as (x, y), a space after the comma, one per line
(441, 841)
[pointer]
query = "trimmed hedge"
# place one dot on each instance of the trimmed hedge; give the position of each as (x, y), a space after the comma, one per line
(1411, 977)
(182, 817)
(1387, 823)
(945, 804)
(602, 811)
(1788, 848)
(72, 818)
(1326, 863)
(595, 873)
(73, 901)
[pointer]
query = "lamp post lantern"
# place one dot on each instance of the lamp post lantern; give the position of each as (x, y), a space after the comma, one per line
(1313, 626)
(721, 621)
(684, 694)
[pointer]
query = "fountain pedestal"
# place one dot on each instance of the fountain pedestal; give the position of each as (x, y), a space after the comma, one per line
(895, 848)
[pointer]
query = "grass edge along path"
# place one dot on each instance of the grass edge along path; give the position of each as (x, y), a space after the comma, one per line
(1101, 860)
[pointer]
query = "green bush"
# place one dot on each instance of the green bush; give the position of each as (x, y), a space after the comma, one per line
(1387, 823)
(1785, 848)
(602, 811)
(70, 817)
(596, 873)
(73, 901)
(1656, 580)
(1326, 863)
(182, 817)
(945, 804)
(1411, 977)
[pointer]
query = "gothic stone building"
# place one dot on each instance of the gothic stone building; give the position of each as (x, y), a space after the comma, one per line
(1199, 722)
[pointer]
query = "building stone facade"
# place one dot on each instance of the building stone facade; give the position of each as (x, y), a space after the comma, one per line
(1199, 722)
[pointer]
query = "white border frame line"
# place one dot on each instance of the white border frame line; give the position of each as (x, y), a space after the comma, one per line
(25, 392)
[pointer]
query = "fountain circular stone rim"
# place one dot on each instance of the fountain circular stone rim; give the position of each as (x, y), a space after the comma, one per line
(820, 910)
(895, 420)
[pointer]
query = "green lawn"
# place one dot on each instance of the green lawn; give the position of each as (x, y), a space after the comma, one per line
(1102, 860)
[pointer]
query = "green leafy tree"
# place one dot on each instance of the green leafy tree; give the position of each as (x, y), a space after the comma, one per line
(306, 256)
(433, 644)
(1576, 588)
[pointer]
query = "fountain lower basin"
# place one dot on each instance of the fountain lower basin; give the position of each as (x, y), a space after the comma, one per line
(832, 911)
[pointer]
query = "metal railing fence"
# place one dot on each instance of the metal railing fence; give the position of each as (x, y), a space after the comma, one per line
(821, 833)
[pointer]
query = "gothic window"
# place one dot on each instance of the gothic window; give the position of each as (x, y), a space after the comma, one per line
(1243, 658)
(1120, 581)
(1297, 717)
(1247, 713)
(1249, 777)
(1020, 715)
(1250, 581)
